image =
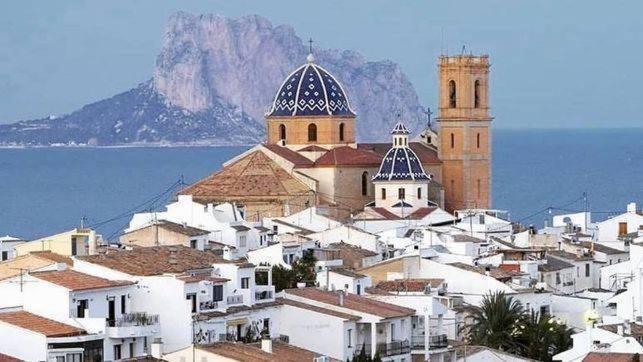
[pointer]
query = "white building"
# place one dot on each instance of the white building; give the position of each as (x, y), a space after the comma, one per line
(7, 243)
(343, 279)
(619, 226)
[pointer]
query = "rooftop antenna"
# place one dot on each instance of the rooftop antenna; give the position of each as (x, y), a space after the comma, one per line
(464, 49)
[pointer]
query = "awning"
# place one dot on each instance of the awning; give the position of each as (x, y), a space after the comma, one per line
(235, 322)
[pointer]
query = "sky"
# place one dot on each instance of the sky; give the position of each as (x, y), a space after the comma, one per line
(555, 63)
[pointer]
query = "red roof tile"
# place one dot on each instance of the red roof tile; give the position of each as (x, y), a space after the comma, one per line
(253, 353)
(39, 324)
(349, 156)
(317, 309)
(408, 285)
(290, 155)
(313, 148)
(74, 280)
(609, 357)
(7, 358)
(352, 302)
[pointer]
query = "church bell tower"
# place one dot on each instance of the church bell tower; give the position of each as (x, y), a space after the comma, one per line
(465, 137)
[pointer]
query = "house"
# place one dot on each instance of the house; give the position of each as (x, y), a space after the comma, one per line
(79, 241)
(7, 244)
(350, 235)
(484, 354)
(585, 269)
(267, 350)
(342, 279)
(619, 226)
(164, 232)
(354, 257)
(349, 322)
(557, 275)
(34, 261)
(597, 339)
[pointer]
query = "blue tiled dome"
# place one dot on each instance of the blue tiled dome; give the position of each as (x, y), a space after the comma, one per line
(310, 91)
(400, 162)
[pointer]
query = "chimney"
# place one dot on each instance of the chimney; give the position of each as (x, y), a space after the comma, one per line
(157, 348)
(266, 345)
(631, 208)
(301, 285)
(341, 298)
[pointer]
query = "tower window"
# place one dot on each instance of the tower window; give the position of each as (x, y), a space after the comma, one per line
(476, 94)
(479, 189)
(478, 140)
(395, 140)
(282, 132)
(341, 132)
(383, 193)
(419, 193)
(452, 94)
(312, 132)
(452, 140)
(365, 183)
(400, 193)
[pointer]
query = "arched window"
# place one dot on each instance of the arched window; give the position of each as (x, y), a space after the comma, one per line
(452, 140)
(364, 183)
(341, 132)
(312, 132)
(282, 132)
(452, 94)
(476, 94)
(479, 189)
(478, 140)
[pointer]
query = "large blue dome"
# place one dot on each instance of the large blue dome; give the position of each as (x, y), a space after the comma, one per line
(310, 91)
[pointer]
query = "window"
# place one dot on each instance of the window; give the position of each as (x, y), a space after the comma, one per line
(395, 141)
(193, 244)
(359, 289)
(217, 293)
(5, 256)
(476, 94)
(81, 307)
(74, 357)
(282, 132)
(245, 283)
(312, 132)
(192, 298)
(400, 193)
(123, 304)
(479, 189)
(452, 140)
(74, 246)
(131, 349)
(392, 331)
(383, 193)
(242, 241)
(341, 131)
(587, 269)
(350, 338)
(452, 94)
(117, 351)
(478, 140)
(622, 228)
(419, 193)
(557, 278)
(364, 183)
(578, 272)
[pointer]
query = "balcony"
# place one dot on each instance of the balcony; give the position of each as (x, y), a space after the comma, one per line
(435, 341)
(264, 293)
(208, 305)
(386, 349)
(133, 325)
(235, 299)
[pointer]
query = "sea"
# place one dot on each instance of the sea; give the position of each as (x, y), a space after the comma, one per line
(536, 174)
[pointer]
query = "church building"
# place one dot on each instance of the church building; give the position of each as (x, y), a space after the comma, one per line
(311, 157)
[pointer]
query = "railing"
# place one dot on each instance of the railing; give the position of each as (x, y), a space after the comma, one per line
(385, 349)
(235, 299)
(435, 341)
(227, 337)
(135, 319)
(208, 304)
(263, 295)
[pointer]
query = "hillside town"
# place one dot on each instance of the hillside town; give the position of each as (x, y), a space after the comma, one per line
(313, 247)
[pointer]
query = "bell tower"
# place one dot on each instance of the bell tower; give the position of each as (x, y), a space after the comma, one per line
(465, 137)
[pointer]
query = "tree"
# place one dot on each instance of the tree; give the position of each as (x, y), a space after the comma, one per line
(302, 271)
(541, 337)
(495, 322)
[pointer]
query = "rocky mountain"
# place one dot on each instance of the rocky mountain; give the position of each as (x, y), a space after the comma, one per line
(214, 79)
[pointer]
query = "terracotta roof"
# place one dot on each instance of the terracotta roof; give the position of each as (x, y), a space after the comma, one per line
(417, 214)
(58, 258)
(237, 309)
(463, 238)
(602, 248)
(421, 213)
(426, 154)
(352, 302)
(408, 285)
(634, 330)
(349, 156)
(351, 255)
(317, 309)
(172, 226)
(155, 260)
(495, 273)
(39, 324)
(568, 256)
(201, 278)
(7, 358)
(74, 280)
(313, 148)
(252, 352)
(346, 272)
(290, 155)
(610, 357)
(302, 230)
(554, 264)
(254, 175)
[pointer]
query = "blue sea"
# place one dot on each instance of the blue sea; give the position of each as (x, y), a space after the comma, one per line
(48, 190)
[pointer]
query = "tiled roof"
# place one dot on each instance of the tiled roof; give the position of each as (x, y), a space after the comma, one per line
(408, 285)
(200, 278)
(317, 309)
(240, 227)
(290, 155)
(610, 357)
(74, 280)
(635, 329)
(174, 227)
(426, 154)
(252, 352)
(58, 258)
(495, 273)
(39, 324)
(12, 268)
(155, 260)
(254, 175)
(463, 238)
(302, 230)
(416, 215)
(353, 302)
(569, 256)
(351, 255)
(349, 156)
(7, 358)
(313, 148)
(346, 272)
(602, 248)
(553, 264)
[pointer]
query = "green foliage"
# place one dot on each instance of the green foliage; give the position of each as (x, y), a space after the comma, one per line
(302, 271)
(501, 323)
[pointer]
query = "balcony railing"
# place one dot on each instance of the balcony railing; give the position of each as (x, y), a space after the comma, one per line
(386, 349)
(436, 341)
(208, 304)
(235, 299)
(263, 295)
(136, 319)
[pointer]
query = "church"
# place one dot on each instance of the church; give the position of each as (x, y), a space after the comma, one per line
(311, 158)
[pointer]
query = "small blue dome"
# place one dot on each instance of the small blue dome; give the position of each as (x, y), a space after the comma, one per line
(401, 163)
(310, 91)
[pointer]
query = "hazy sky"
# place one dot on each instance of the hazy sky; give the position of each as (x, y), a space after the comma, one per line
(555, 63)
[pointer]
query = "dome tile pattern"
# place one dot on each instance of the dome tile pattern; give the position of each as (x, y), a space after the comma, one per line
(401, 163)
(310, 91)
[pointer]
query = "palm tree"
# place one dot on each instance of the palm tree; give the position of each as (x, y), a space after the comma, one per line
(495, 322)
(541, 337)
